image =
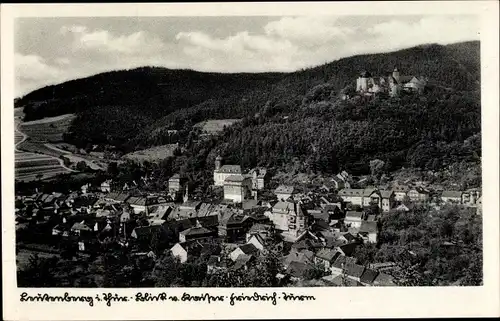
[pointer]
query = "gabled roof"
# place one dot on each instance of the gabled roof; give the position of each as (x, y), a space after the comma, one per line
(81, 227)
(235, 179)
(386, 193)
(351, 192)
(384, 280)
(342, 260)
(284, 206)
(241, 261)
(368, 276)
(369, 191)
(297, 269)
(249, 249)
(236, 169)
(147, 230)
(354, 270)
(452, 194)
(348, 249)
(340, 281)
(368, 227)
(349, 237)
(353, 215)
(327, 254)
(259, 227)
(200, 230)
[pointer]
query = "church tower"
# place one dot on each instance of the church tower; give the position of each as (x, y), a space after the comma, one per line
(218, 162)
(186, 195)
(395, 74)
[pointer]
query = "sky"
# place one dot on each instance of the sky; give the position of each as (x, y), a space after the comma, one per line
(53, 50)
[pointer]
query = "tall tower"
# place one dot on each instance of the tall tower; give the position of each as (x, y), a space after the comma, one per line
(218, 162)
(186, 195)
(395, 74)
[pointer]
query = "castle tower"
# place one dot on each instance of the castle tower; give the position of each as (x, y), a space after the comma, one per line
(218, 162)
(395, 74)
(362, 81)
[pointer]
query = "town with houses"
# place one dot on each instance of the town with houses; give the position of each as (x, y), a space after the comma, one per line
(314, 226)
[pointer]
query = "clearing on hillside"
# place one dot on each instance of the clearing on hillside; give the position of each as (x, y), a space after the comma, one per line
(49, 129)
(153, 154)
(214, 126)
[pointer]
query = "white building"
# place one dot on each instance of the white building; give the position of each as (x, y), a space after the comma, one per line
(223, 172)
(237, 188)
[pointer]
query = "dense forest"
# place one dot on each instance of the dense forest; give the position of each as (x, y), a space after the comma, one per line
(290, 118)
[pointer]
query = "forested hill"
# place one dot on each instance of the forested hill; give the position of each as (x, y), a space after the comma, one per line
(135, 109)
(150, 91)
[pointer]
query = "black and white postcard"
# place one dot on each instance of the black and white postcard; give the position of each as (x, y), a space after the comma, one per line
(250, 160)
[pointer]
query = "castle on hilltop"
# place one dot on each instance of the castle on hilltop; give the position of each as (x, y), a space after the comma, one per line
(366, 84)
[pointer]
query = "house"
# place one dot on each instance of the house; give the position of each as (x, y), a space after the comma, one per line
(470, 197)
(340, 280)
(297, 270)
(368, 277)
(234, 226)
(62, 229)
(237, 188)
(353, 219)
(383, 279)
(242, 262)
(405, 207)
(354, 271)
(284, 192)
(369, 231)
(106, 186)
(347, 238)
(340, 262)
(247, 249)
(303, 256)
(215, 264)
(353, 196)
(388, 200)
(174, 184)
(454, 197)
(264, 230)
(158, 214)
(80, 227)
(479, 206)
(223, 172)
(347, 249)
(259, 177)
(400, 192)
(418, 194)
(117, 197)
(326, 257)
(288, 215)
(184, 250)
(196, 232)
(371, 196)
(338, 183)
(142, 204)
(145, 233)
(258, 241)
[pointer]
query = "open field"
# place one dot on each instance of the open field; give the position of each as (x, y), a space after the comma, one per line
(152, 154)
(47, 129)
(215, 126)
(34, 160)
(36, 147)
